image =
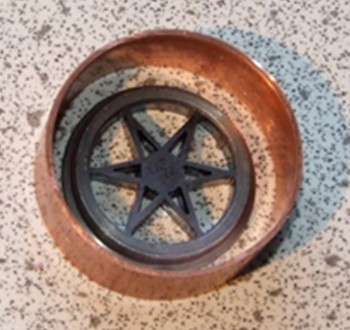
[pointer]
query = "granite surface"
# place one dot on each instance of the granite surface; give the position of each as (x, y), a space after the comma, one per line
(301, 281)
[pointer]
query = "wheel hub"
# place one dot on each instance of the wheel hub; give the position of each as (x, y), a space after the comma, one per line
(163, 173)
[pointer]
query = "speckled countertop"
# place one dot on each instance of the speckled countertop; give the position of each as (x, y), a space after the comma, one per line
(301, 281)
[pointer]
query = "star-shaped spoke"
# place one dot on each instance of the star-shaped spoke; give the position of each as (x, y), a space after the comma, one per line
(160, 175)
(183, 138)
(184, 209)
(138, 215)
(142, 139)
(128, 172)
(204, 174)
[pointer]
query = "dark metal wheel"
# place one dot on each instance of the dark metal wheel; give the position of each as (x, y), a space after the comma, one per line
(159, 175)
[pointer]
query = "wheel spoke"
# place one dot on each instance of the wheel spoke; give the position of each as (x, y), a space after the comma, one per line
(127, 172)
(141, 138)
(186, 211)
(137, 216)
(184, 136)
(206, 174)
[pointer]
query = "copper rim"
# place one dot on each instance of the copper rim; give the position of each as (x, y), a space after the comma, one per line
(230, 69)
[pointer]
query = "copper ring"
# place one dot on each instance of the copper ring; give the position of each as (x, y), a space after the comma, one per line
(223, 65)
